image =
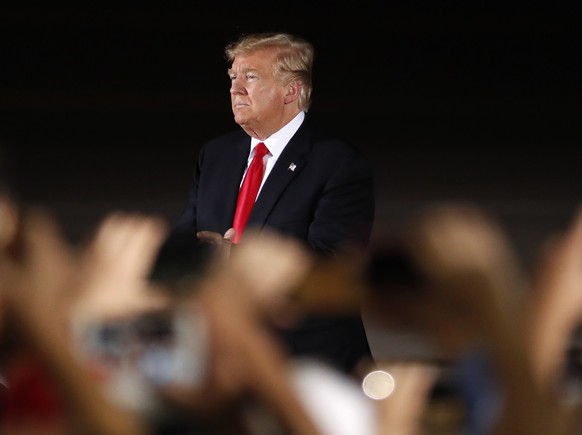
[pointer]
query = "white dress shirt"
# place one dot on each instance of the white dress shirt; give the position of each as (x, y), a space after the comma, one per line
(275, 144)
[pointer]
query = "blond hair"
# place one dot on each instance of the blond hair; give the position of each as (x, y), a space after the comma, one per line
(293, 63)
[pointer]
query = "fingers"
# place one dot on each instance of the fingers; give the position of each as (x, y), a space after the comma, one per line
(132, 238)
(117, 262)
(210, 237)
(229, 235)
(41, 266)
(222, 242)
(270, 287)
(8, 220)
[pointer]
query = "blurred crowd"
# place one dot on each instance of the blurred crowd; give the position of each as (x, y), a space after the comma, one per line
(136, 331)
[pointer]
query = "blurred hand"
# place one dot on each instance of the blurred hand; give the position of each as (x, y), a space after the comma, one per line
(556, 305)
(38, 274)
(115, 266)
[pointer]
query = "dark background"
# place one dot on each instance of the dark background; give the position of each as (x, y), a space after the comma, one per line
(104, 107)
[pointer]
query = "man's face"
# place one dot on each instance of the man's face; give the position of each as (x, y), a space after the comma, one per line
(257, 99)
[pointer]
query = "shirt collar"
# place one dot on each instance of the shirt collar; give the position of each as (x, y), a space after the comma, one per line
(277, 141)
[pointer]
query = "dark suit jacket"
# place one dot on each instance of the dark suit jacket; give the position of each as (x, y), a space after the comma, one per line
(321, 191)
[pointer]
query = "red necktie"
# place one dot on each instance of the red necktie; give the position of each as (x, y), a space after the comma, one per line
(248, 191)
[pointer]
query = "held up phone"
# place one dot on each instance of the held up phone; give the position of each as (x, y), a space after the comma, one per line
(161, 348)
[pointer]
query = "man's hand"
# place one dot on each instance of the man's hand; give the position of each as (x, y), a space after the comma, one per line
(223, 242)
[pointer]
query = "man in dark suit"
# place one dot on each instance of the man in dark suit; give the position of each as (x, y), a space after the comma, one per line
(316, 188)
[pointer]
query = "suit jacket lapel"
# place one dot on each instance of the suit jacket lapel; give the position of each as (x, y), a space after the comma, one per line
(288, 166)
(235, 164)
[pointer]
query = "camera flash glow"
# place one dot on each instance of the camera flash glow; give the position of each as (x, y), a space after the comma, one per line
(378, 385)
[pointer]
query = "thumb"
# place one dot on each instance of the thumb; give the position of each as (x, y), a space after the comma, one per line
(229, 235)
